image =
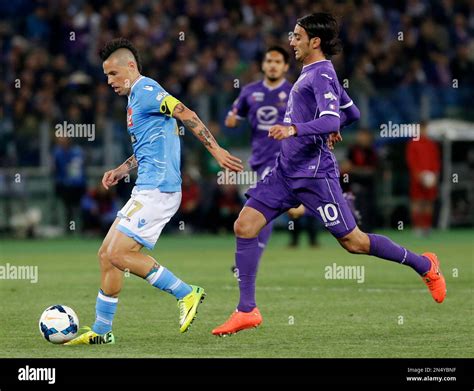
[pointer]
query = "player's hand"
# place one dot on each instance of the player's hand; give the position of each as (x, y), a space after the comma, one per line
(226, 160)
(112, 177)
(279, 132)
(231, 119)
(333, 139)
(296, 213)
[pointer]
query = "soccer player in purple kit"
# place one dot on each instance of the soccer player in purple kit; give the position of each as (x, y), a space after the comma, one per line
(263, 103)
(306, 173)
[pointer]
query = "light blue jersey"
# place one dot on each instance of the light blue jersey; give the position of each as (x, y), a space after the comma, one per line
(154, 135)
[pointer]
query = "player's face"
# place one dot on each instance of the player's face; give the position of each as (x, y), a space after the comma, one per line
(274, 66)
(300, 43)
(118, 76)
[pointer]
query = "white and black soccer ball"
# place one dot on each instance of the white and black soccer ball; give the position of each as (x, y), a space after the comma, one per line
(58, 324)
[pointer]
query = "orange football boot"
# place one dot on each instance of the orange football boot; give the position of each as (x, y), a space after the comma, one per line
(239, 321)
(434, 280)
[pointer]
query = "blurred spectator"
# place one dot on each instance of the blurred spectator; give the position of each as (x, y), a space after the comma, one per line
(361, 167)
(302, 222)
(99, 209)
(424, 164)
(69, 178)
(225, 208)
(199, 50)
(401, 61)
(190, 211)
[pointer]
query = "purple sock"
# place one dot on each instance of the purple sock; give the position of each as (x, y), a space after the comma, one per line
(263, 238)
(246, 260)
(383, 247)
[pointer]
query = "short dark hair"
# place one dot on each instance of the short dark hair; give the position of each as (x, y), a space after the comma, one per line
(280, 50)
(324, 26)
(120, 43)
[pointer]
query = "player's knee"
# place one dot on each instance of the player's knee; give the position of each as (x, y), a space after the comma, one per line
(355, 243)
(243, 228)
(111, 257)
(103, 259)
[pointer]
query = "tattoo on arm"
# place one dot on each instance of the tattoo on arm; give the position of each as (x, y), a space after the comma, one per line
(178, 109)
(201, 132)
(189, 123)
(131, 163)
(206, 137)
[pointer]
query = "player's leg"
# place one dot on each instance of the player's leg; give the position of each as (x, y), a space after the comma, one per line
(247, 228)
(266, 231)
(267, 201)
(417, 193)
(110, 287)
(247, 256)
(416, 210)
(427, 211)
(143, 221)
(111, 278)
(107, 298)
(426, 264)
(330, 206)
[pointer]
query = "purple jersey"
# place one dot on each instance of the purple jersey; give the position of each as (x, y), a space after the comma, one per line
(263, 107)
(317, 92)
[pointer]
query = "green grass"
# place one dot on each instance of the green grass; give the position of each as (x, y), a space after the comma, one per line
(305, 315)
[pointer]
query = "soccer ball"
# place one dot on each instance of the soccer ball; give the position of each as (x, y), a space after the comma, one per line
(58, 324)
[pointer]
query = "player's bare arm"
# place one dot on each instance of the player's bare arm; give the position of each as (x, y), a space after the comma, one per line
(192, 122)
(112, 177)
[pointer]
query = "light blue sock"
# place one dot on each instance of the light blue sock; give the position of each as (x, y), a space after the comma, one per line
(105, 308)
(163, 279)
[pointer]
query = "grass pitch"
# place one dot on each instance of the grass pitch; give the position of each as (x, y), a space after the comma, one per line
(390, 314)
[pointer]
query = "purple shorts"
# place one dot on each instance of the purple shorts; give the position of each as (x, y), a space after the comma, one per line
(263, 169)
(322, 198)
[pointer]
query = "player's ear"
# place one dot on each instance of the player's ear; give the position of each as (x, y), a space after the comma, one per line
(316, 42)
(287, 66)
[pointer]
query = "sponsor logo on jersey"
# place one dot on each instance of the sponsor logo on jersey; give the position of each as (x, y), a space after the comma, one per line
(266, 116)
(129, 117)
(258, 96)
(148, 88)
(161, 95)
(329, 95)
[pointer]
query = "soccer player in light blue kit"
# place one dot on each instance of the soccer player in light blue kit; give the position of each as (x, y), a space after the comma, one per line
(156, 197)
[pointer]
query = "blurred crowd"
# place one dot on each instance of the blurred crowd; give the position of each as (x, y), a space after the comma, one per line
(403, 61)
(395, 53)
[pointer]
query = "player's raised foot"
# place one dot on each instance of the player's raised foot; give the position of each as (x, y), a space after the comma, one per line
(434, 280)
(188, 306)
(239, 321)
(89, 337)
